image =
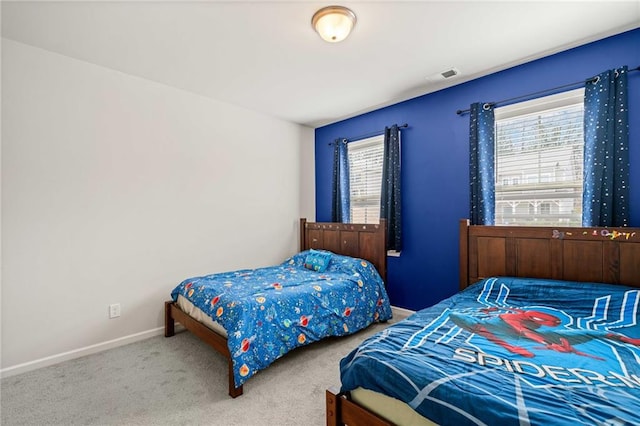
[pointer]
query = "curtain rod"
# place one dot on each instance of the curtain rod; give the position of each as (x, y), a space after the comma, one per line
(371, 134)
(462, 111)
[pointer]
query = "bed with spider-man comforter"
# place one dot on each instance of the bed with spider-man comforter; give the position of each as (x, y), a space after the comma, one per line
(512, 351)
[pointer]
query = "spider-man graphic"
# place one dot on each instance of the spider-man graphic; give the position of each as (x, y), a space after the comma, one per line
(514, 324)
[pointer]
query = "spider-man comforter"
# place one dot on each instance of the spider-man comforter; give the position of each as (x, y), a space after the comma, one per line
(510, 351)
(266, 312)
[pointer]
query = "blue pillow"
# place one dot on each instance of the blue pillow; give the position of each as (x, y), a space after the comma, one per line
(317, 260)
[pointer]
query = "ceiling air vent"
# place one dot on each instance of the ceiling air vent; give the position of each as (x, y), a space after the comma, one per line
(451, 72)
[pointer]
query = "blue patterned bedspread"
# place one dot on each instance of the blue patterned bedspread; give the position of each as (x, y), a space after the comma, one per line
(269, 311)
(509, 351)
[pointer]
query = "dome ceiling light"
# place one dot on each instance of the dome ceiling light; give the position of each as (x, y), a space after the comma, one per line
(333, 23)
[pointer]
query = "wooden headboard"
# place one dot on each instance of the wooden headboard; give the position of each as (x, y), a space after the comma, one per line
(356, 240)
(609, 255)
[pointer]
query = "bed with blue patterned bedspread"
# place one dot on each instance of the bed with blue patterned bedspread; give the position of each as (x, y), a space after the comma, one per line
(266, 312)
(512, 351)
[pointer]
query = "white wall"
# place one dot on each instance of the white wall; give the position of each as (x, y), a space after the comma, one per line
(308, 175)
(115, 188)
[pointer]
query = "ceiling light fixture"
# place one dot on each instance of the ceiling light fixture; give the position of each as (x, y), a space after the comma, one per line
(333, 23)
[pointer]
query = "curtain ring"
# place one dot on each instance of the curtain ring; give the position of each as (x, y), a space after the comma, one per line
(616, 73)
(486, 107)
(596, 79)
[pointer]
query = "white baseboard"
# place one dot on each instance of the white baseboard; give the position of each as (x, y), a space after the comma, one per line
(77, 353)
(401, 312)
(110, 344)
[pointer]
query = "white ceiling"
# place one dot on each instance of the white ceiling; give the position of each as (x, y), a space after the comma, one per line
(264, 55)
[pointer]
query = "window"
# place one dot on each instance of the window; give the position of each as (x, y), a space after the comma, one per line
(365, 179)
(545, 208)
(539, 150)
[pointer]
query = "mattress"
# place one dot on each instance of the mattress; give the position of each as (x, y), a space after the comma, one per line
(194, 312)
(389, 408)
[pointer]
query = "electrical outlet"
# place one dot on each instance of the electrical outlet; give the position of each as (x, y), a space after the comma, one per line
(114, 310)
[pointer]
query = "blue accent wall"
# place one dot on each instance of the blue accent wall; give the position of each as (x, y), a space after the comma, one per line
(435, 159)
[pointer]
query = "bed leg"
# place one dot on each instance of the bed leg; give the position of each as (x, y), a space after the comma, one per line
(234, 391)
(332, 405)
(169, 322)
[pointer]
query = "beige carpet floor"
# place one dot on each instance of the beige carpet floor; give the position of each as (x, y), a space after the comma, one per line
(176, 381)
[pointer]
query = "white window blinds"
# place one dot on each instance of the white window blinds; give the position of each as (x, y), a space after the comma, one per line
(365, 179)
(539, 161)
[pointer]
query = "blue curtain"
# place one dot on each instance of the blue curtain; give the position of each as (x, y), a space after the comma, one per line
(605, 199)
(390, 197)
(340, 198)
(482, 164)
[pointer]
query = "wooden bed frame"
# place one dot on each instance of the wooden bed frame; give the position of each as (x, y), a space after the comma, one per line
(356, 240)
(609, 255)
